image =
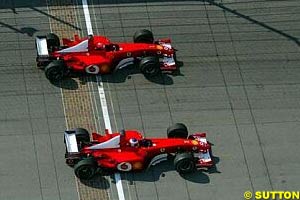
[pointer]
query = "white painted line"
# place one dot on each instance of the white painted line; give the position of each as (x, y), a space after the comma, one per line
(110, 181)
(94, 103)
(87, 17)
(102, 98)
(108, 126)
(119, 186)
(103, 104)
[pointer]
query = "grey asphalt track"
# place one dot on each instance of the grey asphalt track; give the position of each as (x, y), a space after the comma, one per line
(239, 83)
(31, 116)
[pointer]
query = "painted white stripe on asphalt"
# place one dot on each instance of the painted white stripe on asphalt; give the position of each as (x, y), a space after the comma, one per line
(119, 186)
(87, 17)
(102, 97)
(108, 126)
(103, 104)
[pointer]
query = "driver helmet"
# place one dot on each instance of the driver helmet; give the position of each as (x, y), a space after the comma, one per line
(133, 142)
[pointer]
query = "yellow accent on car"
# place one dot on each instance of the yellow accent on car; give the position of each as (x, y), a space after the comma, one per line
(159, 47)
(195, 142)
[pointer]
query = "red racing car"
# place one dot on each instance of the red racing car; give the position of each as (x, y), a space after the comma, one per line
(98, 55)
(130, 151)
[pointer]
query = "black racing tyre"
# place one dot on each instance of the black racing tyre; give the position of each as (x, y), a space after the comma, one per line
(184, 163)
(85, 169)
(52, 41)
(150, 66)
(54, 71)
(143, 36)
(82, 135)
(177, 130)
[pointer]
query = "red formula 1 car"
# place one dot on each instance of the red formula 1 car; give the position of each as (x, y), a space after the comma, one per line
(98, 55)
(130, 151)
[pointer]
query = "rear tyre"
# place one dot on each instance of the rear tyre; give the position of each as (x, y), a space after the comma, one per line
(184, 163)
(52, 41)
(82, 135)
(54, 71)
(85, 169)
(177, 130)
(143, 36)
(149, 66)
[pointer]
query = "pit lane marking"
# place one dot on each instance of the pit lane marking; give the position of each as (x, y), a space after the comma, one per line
(102, 97)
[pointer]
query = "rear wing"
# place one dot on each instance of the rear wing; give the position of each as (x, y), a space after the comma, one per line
(71, 142)
(41, 46)
(43, 56)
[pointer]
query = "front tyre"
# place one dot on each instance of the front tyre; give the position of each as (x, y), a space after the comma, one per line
(177, 130)
(150, 66)
(85, 169)
(184, 163)
(143, 36)
(54, 71)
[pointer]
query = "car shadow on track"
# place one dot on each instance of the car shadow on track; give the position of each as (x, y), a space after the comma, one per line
(159, 171)
(201, 176)
(67, 83)
(154, 174)
(98, 182)
(119, 76)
